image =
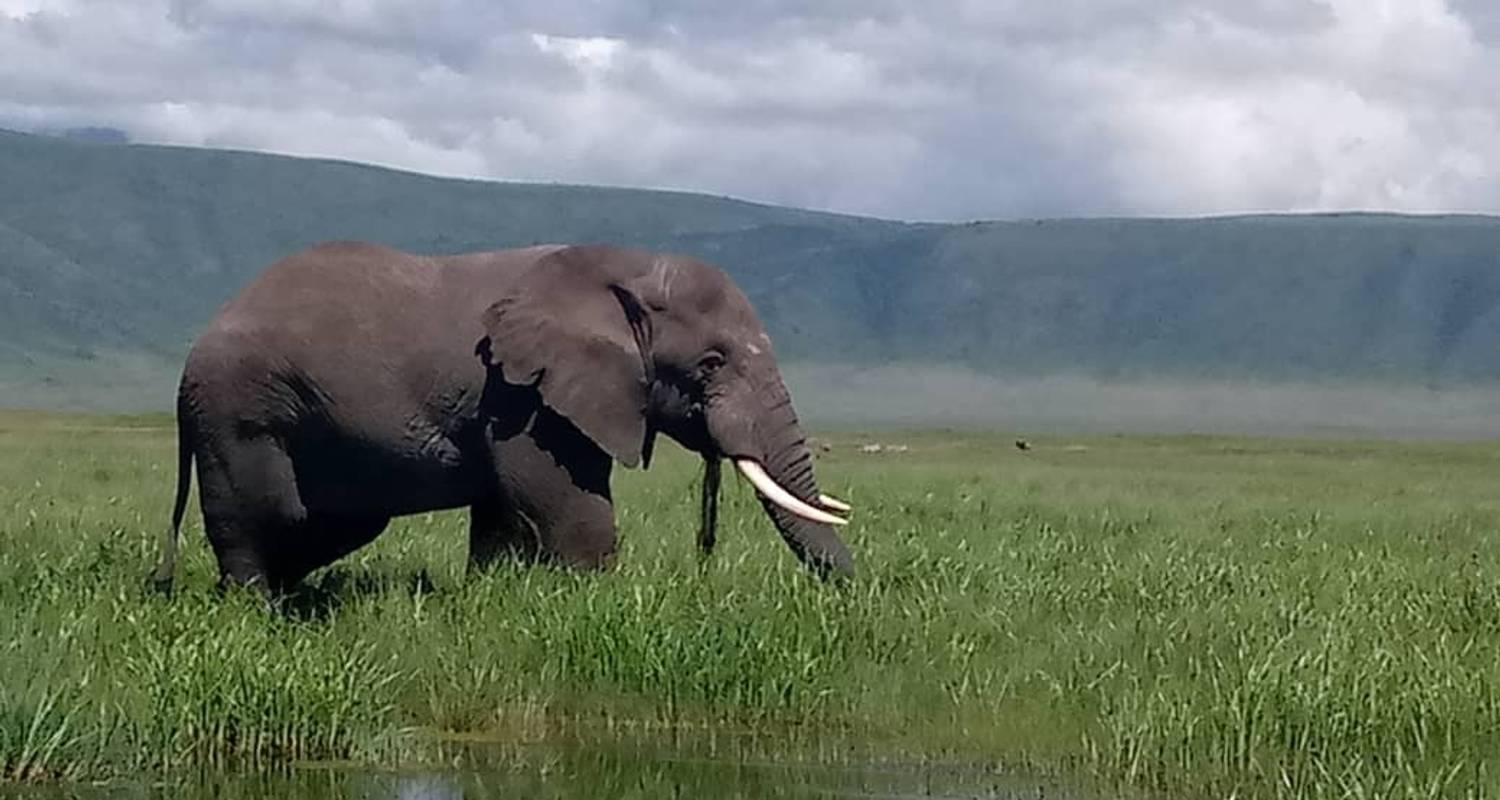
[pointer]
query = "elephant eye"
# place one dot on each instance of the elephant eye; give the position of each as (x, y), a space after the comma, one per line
(709, 364)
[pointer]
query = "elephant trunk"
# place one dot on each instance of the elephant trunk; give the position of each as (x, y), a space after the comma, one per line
(788, 462)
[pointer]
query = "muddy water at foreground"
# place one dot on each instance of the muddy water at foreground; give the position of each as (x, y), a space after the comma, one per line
(574, 771)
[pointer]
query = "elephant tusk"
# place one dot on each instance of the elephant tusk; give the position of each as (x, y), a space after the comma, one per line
(781, 497)
(834, 503)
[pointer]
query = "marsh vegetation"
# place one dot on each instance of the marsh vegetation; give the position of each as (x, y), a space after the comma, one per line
(1188, 615)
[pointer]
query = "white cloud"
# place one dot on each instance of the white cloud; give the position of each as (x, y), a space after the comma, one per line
(588, 53)
(948, 109)
(1379, 108)
(19, 9)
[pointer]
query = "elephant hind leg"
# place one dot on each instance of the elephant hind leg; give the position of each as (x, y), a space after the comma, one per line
(320, 540)
(248, 494)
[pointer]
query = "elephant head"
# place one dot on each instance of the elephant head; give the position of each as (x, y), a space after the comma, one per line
(627, 344)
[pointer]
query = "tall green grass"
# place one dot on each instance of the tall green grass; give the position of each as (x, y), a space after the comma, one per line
(1187, 615)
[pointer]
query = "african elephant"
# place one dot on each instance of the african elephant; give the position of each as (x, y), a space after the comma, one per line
(351, 383)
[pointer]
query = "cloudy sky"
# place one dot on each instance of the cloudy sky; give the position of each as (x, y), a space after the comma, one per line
(916, 109)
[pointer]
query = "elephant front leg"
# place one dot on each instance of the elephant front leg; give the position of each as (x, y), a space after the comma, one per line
(496, 532)
(553, 500)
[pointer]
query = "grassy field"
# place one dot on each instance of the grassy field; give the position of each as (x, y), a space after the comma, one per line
(1187, 615)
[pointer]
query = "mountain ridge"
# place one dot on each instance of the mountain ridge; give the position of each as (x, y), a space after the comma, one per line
(113, 255)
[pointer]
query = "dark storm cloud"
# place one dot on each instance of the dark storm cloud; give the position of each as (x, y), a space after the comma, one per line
(957, 109)
(1482, 16)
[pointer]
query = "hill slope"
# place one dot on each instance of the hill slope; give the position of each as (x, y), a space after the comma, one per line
(113, 256)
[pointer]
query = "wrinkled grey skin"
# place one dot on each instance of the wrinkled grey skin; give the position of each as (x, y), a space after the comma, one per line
(350, 383)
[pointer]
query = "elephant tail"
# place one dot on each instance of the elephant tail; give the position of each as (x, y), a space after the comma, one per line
(161, 577)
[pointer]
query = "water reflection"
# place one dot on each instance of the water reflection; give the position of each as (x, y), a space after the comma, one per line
(573, 771)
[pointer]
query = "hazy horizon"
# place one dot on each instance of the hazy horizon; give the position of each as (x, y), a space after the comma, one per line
(903, 396)
(896, 398)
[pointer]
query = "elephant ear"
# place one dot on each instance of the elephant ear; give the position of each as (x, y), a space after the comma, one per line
(570, 329)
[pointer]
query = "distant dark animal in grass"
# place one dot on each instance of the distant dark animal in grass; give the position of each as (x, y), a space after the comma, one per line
(1022, 444)
(351, 383)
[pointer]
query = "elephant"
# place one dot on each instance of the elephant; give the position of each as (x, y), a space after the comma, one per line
(351, 382)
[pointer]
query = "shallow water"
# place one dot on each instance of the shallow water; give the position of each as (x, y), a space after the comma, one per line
(577, 770)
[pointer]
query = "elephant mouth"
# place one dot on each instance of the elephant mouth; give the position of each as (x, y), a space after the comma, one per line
(820, 508)
(763, 439)
(776, 493)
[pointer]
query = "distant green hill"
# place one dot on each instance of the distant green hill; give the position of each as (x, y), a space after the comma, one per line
(113, 256)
